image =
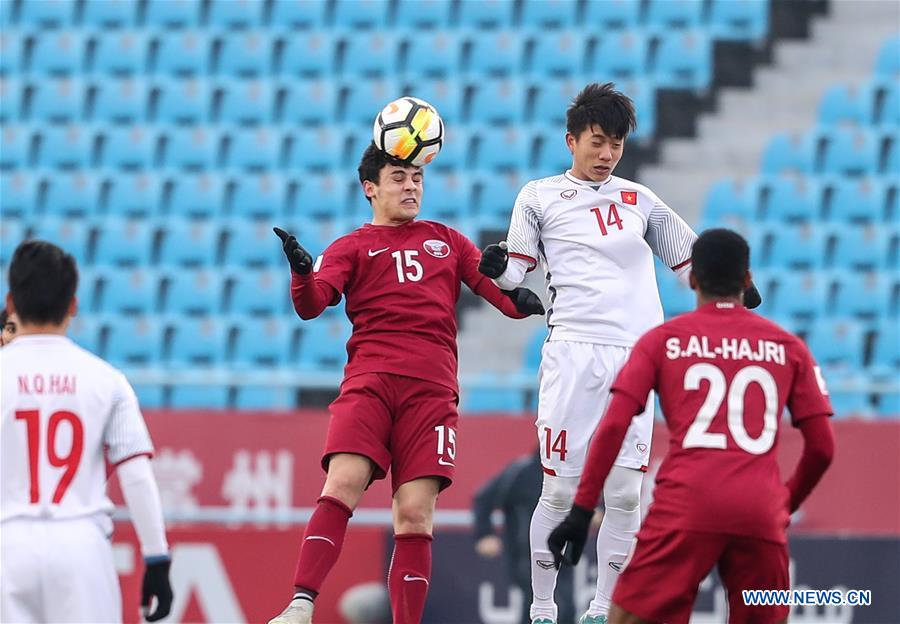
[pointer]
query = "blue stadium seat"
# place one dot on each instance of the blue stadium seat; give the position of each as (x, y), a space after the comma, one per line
(109, 13)
(321, 195)
(847, 393)
(786, 152)
(249, 243)
(683, 59)
(360, 14)
(58, 100)
(674, 14)
(496, 53)
(498, 101)
(88, 293)
(261, 196)
(791, 199)
(798, 293)
(676, 298)
(73, 193)
(134, 340)
(886, 349)
(299, 14)
(448, 196)
(135, 194)
(198, 340)
(850, 151)
(847, 104)
(486, 13)
(183, 101)
(169, 13)
(245, 53)
(18, 194)
(492, 395)
(198, 195)
(194, 292)
(455, 151)
(887, 65)
(129, 147)
(265, 291)
(121, 52)
(643, 94)
(124, 242)
(887, 103)
(65, 146)
(369, 53)
(731, 201)
(247, 102)
(317, 234)
(12, 232)
(554, 156)
(416, 15)
(364, 98)
(256, 149)
(797, 246)
(192, 148)
(73, 235)
(85, 330)
(263, 341)
(15, 146)
(558, 53)
(236, 13)
(889, 146)
(120, 101)
(309, 54)
(12, 43)
(868, 294)
(497, 193)
(445, 94)
(863, 246)
(310, 102)
(183, 52)
(888, 404)
(838, 343)
(265, 398)
(319, 148)
(503, 148)
(130, 291)
(549, 13)
(739, 19)
(620, 55)
(47, 13)
(58, 52)
(325, 348)
(533, 350)
(856, 199)
(198, 396)
(189, 243)
(149, 396)
(553, 97)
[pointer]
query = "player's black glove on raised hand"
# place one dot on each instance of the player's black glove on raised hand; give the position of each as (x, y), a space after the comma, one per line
(156, 585)
(526, 302)
(570, 536)
(752, 298)
(300, 260)
(493, 260)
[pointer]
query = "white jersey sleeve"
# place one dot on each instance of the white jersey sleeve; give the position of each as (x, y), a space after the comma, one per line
(525, 226)
(126, 432)
(670, 238)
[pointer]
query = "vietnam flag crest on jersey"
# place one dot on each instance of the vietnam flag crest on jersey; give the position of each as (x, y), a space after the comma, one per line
(629, 197)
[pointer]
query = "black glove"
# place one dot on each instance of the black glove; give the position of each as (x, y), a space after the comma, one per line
(570, 536)
(493, 260)
(752, 298)
(156, 584)
(299, 259)
(526, 302)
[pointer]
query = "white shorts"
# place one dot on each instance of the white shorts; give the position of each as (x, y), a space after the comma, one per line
(575, 382)
(58, 571)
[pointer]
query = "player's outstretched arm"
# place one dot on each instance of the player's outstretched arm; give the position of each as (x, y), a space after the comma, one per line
(514, 303)
(495, 264)
(310, 297)
(299, 259)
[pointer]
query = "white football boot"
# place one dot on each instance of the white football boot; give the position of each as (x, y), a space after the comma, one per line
(299, 611)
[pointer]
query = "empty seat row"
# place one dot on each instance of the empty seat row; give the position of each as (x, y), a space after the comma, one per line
(873, 103)
(838, 150)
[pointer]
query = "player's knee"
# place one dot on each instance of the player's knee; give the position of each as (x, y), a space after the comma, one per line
(623, 489)
(557, 493)
(414, 517)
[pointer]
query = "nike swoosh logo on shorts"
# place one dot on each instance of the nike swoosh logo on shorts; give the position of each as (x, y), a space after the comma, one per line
(408, 578)
(445, 463)
(377, 251)
(319, 537)
(616, 566)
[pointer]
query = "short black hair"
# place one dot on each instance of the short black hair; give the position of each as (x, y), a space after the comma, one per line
(720, 261)
(42, 282)
(601, 105)
(373, 161)
(4, 316)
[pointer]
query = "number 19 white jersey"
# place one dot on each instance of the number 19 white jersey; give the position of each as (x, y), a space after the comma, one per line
(596, 243)
(65, 412)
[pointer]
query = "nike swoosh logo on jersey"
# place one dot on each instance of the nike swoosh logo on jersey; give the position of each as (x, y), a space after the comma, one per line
(319, 537)
(377, 251)
(445, 463)
(409, 578)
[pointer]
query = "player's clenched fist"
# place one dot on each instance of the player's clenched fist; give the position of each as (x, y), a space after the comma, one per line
(493, 261)
(300, 260)
(566, 542)
(526, 302)
(156, 585)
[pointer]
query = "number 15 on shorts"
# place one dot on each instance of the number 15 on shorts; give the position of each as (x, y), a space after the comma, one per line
(446, 445)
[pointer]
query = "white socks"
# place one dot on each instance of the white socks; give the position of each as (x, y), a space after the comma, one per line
(556, 499)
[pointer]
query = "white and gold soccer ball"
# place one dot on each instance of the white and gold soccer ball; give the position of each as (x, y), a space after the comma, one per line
(410, 130)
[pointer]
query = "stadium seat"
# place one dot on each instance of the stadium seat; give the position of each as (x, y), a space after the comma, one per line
(318, 234)
(250, 244)
(676, 298)
(261, 196)
(838, 343)
(247, 53)
(121, 52)
(254, 149)
(124, 242)
(73, 235)
(549, 13)
(746, 20)
(369, 54)
(855, 199)
(643, 93)
(888, 404)
(198, 195)
(58, 52)
(448, 96)
(199, 396)
(325, 349)
(666, 15)
(790, 153)
(683, 60)
(432, 54)
(194, 292)
(135, 194)
(88, 293)
(299, 14)
(864, 246)
(497, 193)
(496, 53)
(85, 329)
(247, 102)
(499, 148)
(134, 340)
(797, 246)
(798, 293)
(886, 348)
(533, 350)
(189, 243)
(261, 292)
(847, 393)
(321, 195)
(236, 13)
(265, 398)
(183, 52)
(498, 101)
(109, 13)
(486, 13)
(263, 341)
(448, 197)
(620, 56)
(493, 396)
(553, 97)
(889, 164)
(356, 15)
(12, 232)
(183, 101)
(309, 102)
(18, 194)
(554, 156)
(887, 65)
(129, 147)
(61, 100)
(790, 199)
(363, 99)
(73, 193)
(844, 104)
(887, 103)
(320, 148)
(868, 294)
(15, 146)
(850, 151)
(64, 146)
(173, 13)
(558, 53)
(47, 13)
(309, 54)
(192, 148)
(198, 340)
(120, 101)
(416, 15)
(129, 291)
(12, 43)
(149, 396)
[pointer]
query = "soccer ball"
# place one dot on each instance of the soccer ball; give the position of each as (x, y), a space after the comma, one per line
(410, 130)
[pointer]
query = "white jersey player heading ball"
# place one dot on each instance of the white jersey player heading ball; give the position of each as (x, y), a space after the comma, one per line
(595, 236)
(65, 413)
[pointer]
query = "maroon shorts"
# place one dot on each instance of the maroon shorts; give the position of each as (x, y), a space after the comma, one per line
(401, 423)
(660, 582)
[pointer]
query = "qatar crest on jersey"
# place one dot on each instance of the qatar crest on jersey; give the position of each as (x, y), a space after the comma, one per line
(437, 248)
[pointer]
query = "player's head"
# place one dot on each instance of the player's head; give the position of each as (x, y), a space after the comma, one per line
(9, 324)
(394, 188)
(42, 284)
(720, 265)
(597, 123)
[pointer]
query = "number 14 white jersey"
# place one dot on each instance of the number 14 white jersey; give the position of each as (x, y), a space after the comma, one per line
(596, 243)
(65, 412)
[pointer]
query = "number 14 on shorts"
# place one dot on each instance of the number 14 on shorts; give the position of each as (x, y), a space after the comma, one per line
(554, 444)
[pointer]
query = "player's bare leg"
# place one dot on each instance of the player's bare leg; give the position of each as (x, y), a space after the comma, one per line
(618, 615)
(410, 573)
(348, 476)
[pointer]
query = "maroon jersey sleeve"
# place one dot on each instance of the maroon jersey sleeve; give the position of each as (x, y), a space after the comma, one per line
(808, 396)
(336, 264)
(469, 255)
(313, 292)
(640, 373)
